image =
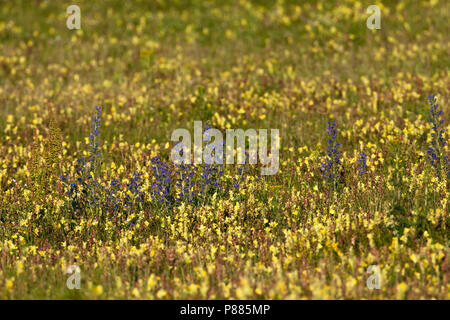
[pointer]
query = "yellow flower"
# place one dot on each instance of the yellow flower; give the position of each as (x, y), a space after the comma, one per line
(135, 292)
(98, 290)
(107, 83)
(10, 283)
(161, 294)
(401, 290)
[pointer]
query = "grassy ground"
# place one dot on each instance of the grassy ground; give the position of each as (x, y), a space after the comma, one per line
(154, 66)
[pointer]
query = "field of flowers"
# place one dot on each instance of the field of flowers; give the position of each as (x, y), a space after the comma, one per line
(86, 178)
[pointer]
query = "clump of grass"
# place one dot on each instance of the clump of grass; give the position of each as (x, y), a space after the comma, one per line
(44, 167)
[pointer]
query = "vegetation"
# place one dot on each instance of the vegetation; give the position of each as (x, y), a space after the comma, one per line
(96, 188)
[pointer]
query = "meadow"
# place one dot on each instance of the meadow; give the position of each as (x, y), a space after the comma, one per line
(86, 179)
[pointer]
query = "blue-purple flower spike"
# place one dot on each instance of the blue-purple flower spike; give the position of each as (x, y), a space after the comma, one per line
(436, 150)
(362, 167)
(331, 167)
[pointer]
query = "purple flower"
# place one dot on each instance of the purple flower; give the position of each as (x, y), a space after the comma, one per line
(436, 150)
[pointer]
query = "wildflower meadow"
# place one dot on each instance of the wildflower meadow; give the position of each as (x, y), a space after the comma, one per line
(355, 205)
